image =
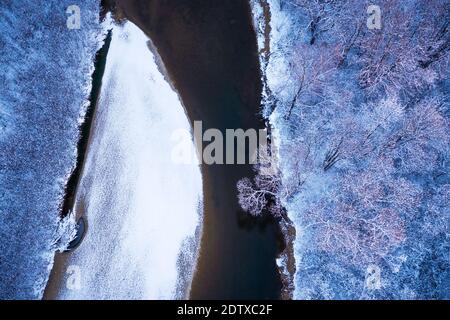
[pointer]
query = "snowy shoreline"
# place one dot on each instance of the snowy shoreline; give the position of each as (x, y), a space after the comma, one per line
(265, 29)
(69, 216)
(143, 240)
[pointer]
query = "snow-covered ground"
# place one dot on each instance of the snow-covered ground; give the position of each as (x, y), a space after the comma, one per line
(143, 209)
(45, 81)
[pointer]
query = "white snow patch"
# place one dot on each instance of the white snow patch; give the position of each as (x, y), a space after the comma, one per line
(140, 206)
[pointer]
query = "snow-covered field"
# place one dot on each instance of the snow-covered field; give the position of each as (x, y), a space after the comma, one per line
(45, 81)
(143, 210)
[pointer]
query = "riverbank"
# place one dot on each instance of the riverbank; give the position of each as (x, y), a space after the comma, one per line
(262, 22)
(142, 208)
(60, 260)
(211, 56)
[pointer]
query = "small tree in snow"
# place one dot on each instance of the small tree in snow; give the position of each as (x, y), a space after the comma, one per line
(261, 194)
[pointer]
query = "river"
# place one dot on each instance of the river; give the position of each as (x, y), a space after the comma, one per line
(209, 50)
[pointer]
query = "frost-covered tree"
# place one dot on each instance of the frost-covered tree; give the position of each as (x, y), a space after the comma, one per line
(322, 15)
(264, 193)
(312, 70)
(362, 216)
(413, 36)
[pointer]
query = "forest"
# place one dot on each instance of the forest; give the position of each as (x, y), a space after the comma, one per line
(360, 120)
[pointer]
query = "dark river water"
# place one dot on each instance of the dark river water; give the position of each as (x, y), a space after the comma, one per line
(209, 50)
